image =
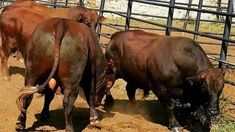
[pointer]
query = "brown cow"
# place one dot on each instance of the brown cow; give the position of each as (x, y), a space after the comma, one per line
(67, 51)
(78, 13)
(16, 27)
(172, 67)
(17, 23)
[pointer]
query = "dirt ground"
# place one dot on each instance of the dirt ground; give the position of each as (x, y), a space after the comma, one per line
(122, 117)
(145, 116)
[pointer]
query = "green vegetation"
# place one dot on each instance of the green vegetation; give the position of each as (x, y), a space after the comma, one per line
(224, 122)
(204, 26)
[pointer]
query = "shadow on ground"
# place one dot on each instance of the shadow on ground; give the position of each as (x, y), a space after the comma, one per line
(151, 110)
(16, 70)
(154, 112)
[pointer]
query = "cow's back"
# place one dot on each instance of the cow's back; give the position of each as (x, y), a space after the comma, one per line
(142, 56)
(131, 50)
(73, 52)
(18, 24)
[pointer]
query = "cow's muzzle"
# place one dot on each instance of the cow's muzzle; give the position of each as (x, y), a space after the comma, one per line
(213, 111)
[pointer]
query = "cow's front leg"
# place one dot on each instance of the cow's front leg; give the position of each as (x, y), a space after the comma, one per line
(109, 98)
(200, 115)
(49, 95)
(21, 121)
(130, 89)
(94, 118)
(90, 97)
(19, 56)
(165, 100)
(5, 53)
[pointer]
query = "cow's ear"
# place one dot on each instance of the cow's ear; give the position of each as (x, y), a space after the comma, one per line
(111, 69)
(83, 18)
(110, 62)
(101, 18)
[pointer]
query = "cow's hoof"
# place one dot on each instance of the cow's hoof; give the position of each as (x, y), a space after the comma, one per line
(20, 126)
(177, 129)
(6, 78)
(94, 122)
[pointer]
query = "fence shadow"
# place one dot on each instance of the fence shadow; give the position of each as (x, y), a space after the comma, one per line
(57, 120)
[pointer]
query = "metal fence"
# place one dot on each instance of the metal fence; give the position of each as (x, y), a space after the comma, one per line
(224, 40)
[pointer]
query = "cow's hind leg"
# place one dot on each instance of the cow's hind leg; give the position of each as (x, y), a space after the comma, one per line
(21, 121)
(70, 95)
(165, 100)
(49, 95)
(5, 53)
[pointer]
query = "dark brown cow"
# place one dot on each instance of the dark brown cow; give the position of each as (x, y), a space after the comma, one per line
(67, 51)
(172, 67)
(18, 21)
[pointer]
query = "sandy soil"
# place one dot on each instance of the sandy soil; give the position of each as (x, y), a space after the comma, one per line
(146, 116)
(119, 118)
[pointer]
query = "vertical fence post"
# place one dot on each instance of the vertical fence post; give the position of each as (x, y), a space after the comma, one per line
(170, 17)
(55, 2)
(219, 9)
(2, 2)
(186, 17)
(129, 8)
(81, 2)
(227, 29)
(101, 12)
(66, 2)
(197, 24)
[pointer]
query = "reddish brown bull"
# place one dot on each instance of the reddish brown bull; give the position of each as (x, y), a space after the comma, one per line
(67, 51)
(18, 21)
(172, 67)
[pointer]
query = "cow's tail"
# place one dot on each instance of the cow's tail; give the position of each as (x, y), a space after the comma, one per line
(60, 29)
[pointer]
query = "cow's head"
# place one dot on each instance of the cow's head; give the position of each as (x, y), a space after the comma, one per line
(90, 18)
(107, 81)
(209, 85)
